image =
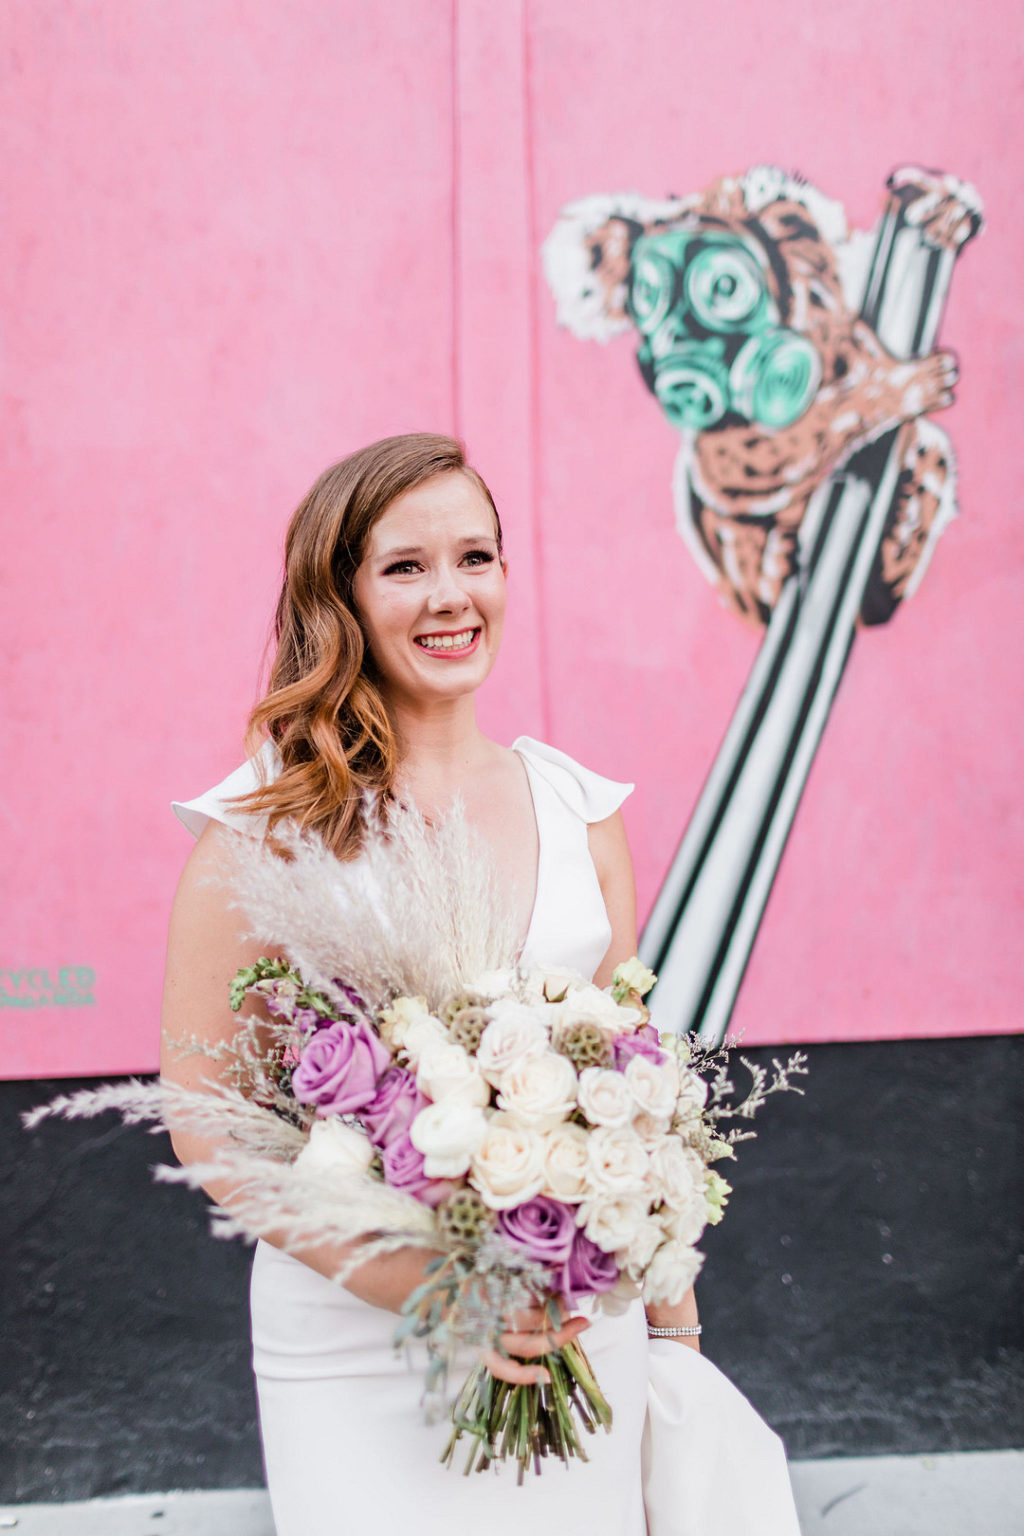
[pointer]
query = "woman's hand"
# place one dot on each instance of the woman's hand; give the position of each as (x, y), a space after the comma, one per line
(530, 1334)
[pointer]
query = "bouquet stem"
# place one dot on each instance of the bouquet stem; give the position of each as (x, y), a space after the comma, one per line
(527, 1422)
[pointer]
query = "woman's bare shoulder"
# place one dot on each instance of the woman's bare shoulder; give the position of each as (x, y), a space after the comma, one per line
(210, 860)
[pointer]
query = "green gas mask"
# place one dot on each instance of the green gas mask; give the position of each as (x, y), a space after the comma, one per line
(712, 342)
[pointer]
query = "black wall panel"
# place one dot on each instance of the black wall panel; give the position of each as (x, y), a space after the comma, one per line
(865, 1289)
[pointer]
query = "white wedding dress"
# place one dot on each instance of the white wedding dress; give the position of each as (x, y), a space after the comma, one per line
(345, 1444)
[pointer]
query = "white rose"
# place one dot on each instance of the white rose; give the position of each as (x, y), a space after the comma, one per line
(394, 1021)
(513, 1006)
(675, 1174)
(671, 1273)
(616, 1161)
(508, 1164)
(448, 1134)
(557, 983)
(492, 984)
(539, 1090)
(612, 1221)
(647, 1239)
(335, 1148)
(604, 1097)
(421, 1033)
(565, 1163)
(620, 1298)
(655, 1088)
(687, 1220)
(446, 1071)
(590, 1002)
(513, 1033)
(650, 1130)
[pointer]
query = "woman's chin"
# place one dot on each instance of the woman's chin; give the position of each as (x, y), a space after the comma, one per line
(444, 680)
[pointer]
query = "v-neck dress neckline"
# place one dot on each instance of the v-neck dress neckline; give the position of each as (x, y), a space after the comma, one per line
(538, 822)
(568, 926)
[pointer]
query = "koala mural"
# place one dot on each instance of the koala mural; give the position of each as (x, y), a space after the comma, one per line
(746, 300)
(797, 363)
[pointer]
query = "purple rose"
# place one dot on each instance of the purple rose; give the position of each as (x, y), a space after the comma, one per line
(340, 1068)
(643, 1043)
(394, 1106)
(403, 1169)
(587, 1271)
(542, 1228)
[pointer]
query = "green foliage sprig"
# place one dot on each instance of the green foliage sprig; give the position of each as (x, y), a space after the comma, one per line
(289, 983)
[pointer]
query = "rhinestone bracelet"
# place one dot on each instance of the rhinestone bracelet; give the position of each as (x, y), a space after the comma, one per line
(673, 1333)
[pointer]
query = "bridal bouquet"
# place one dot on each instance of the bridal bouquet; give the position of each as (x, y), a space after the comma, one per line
(406, 1081)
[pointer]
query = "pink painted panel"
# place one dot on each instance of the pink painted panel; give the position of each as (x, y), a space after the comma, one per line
(897, 906)
(229, 261)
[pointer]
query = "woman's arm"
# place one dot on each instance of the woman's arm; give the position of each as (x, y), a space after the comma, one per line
(205, 947)
(609, 850)
(610, 853)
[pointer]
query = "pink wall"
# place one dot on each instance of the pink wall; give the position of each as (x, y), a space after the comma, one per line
(897, 910)
(243, 240)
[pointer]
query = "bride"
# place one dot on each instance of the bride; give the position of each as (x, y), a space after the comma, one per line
(389, 620)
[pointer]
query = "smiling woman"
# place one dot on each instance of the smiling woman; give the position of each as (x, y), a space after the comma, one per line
(389, 620)
(405, 521)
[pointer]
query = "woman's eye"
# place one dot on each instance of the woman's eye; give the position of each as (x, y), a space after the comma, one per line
(472, 557)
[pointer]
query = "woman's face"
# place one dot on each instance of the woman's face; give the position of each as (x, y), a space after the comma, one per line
(430, 591)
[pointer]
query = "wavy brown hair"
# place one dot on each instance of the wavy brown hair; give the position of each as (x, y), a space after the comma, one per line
(323, 708)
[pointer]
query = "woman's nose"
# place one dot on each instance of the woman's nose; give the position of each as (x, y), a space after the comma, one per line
(447, 594)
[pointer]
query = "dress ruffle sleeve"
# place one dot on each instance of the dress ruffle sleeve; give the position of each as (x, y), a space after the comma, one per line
(210, 806)
(591, 796)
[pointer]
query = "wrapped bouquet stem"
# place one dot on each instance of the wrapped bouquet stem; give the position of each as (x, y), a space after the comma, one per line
(527, 1421)
(522, 1421)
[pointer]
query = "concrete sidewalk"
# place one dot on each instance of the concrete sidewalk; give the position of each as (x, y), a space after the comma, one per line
(979, 1493)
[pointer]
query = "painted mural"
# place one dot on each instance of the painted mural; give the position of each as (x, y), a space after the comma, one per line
(796, 359)
(247, 198)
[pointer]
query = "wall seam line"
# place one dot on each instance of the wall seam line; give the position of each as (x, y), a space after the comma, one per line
(456, 230)
(533, 370)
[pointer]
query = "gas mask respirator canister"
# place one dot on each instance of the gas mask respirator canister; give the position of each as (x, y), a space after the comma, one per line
(712, 343)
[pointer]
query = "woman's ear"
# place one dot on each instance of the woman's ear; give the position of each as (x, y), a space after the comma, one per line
(504, 565)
